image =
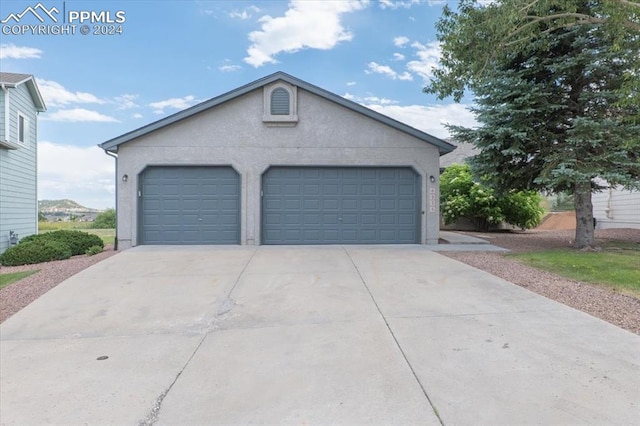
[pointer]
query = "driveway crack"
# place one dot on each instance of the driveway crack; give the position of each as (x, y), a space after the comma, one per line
(384, 318)
(223, 311)
(154, 413)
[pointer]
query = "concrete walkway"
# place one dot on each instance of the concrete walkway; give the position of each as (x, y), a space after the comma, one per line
(456, 241)
(457, 238)
(308, 335)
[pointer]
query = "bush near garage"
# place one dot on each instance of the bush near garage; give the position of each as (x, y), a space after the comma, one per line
(30, 252)
(463, 197)
(93, 250)
(77, 241)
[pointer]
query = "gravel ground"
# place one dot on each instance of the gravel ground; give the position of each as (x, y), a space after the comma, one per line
(618, 309)
(601, 302)
(19, 294)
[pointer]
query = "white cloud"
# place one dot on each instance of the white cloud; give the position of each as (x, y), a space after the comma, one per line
(400, 41)
(428, 57)
(229, 68)
(137, 115)
(431, 118)
(55, 94)
(398, 57)
(244, 14)
(11, 51)
(390, 4)
(126, 101)
(374, 67)
(306, 24)
(85, 175)
(175, 103)
(351, 83)
(78, 115)
(368, 100)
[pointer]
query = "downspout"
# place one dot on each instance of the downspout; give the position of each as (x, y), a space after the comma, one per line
(115, 240)
(608, 211)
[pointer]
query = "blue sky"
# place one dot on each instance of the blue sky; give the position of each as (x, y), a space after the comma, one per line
(173, 54)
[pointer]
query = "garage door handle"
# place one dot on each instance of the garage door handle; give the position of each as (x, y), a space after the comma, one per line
(340, 219)
(200, 219)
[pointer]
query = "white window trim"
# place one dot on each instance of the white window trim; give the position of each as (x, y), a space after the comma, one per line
(280, 120)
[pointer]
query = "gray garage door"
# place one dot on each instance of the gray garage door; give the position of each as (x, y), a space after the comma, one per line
(341, 205)
(190, 205)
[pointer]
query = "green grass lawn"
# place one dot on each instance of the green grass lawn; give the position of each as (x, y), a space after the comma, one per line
(6, 279)
(616, 266)
(107, 235)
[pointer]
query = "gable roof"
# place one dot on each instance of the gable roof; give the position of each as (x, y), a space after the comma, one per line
(463, 151)
(112, 144)
(11, 79)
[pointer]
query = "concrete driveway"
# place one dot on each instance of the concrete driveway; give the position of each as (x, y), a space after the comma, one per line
(309, 335)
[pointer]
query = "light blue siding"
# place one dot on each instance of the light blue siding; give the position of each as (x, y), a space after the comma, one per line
(18, 190)
(2, 113)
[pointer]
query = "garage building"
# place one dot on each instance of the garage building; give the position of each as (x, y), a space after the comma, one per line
(277, 161)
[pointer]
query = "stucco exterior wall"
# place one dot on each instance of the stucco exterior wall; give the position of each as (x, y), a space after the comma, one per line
(234, 133)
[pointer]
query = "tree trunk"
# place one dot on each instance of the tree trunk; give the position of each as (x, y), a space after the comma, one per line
(584, 215)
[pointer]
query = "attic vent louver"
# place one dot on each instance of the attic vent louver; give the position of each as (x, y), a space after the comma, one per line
(280, 102)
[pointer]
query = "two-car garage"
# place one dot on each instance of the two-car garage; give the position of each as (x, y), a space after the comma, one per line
(299, 205)
(277, 161)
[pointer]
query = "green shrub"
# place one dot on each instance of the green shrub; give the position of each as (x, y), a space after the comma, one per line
(30, 252)
(77, 241)
(105, 220)
(523, 209)
(93, 250)
(461, 196)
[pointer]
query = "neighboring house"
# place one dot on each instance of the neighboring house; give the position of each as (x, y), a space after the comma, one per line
(277, 161)
(616, 208)
(461, 154)
(20, 103)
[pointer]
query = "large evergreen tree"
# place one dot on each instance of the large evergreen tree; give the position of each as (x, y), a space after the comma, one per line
(554, 112)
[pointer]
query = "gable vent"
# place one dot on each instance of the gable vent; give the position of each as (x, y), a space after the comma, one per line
(280, 102)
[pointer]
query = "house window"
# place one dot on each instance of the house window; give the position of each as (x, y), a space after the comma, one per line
(22, 128)
(280, 102)
(280, 105)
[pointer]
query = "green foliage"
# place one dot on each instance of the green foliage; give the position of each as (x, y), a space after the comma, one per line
(77, 242)
(562, 202)
(93, 250)
(26, 253)
(478, 34)
(105, 220)
(58, 225)
(522, 209)
(7, 279)
(618, 269)
(552, 83)
(41, 217)
(461, 196)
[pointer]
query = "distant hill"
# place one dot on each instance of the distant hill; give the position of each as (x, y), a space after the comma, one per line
(62, 206)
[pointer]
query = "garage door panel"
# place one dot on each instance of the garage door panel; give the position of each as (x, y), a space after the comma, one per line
(308, 204)
(189, 205)
(368, 189)
(340, 205)
(349, 204)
